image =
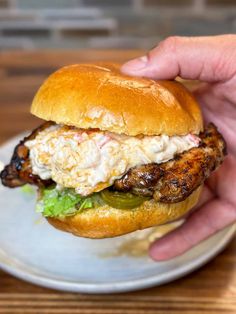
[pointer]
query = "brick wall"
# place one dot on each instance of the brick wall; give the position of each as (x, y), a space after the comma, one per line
(31, 24)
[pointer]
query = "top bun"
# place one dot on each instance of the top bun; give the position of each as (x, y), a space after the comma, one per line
(100, 96)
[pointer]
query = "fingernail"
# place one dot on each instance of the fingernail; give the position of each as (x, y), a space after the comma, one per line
(135, 64)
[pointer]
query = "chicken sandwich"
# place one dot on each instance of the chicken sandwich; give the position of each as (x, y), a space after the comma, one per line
(116, 153)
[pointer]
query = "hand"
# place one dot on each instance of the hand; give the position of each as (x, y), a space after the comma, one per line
(211, 60)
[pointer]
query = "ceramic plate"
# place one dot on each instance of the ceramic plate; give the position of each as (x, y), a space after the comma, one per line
(34, 251)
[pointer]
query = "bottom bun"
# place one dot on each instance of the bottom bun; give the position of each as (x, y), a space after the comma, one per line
(108, 222)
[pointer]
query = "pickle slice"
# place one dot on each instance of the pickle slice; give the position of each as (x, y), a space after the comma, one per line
(122, 200)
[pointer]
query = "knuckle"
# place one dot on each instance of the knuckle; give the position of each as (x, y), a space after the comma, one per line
(170, 43)
(167, 46)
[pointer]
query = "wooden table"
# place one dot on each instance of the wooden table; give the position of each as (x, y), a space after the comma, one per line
(212, 289)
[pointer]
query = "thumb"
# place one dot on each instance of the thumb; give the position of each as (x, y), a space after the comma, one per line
(203, 223)
(209, 59)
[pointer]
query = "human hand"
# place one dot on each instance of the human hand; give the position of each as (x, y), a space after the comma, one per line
(211, 60)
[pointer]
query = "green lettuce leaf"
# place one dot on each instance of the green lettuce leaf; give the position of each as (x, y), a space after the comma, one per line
(61, 203)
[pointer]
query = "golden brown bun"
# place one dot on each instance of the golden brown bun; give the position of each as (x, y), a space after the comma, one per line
(107, 222)
(100, 96)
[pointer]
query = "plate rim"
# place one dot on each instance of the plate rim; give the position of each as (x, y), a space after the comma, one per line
(122, 286)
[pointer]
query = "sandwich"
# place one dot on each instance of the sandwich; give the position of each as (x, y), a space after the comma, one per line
(116, 153)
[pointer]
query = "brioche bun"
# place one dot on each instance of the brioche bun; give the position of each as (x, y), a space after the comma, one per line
(108, 222)
(100, 96)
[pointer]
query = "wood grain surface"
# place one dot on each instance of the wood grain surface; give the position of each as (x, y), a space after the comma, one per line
(212, 289)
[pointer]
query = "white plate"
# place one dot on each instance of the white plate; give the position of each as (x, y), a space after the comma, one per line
(34, 251)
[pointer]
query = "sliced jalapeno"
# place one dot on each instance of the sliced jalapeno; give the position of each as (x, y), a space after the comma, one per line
(122, 200)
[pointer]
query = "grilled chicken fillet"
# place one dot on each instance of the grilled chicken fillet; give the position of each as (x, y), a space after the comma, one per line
(19, 171)
(169, 182)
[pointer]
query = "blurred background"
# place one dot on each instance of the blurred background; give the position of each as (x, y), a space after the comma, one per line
(119, 24)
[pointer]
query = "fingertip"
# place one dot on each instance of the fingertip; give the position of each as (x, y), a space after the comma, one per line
(134, 66)
(170, 246)
(155, 255)
(161, 250)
